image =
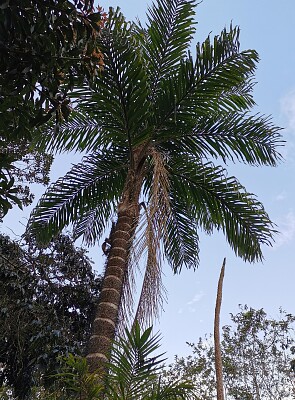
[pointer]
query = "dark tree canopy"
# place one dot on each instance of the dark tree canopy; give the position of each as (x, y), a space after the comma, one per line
(47, 298)
(47, 47)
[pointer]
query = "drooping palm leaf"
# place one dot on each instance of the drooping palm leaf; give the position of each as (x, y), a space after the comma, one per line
(181, 244)
(222, 203)
(154, 229)
(94, 184)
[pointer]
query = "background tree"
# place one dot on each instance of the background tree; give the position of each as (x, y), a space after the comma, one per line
(20, 166)
(46, 49)
(47, 298)
(153, 123)
(257, 353)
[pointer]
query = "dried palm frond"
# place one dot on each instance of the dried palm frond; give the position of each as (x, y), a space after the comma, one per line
(156, 214)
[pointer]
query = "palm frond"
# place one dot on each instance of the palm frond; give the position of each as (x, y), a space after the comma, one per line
(222, 203)
(173, 390)
(94, 184)
(220, 79)
(152, 292)
(181, 244)
(133, 367)
(252, 139)
(154, 228)
(120, 100)
(167, 36)
(90, 226)
(80, 133)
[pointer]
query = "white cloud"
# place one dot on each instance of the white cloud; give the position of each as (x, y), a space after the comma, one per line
(288, 109)
(196, 298)
(281, 196)
(286, 228)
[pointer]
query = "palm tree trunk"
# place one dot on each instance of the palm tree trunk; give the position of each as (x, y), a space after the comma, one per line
(106, 315)
(217, 346)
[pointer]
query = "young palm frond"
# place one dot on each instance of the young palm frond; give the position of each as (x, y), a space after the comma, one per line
(133, 366)
(166, 38)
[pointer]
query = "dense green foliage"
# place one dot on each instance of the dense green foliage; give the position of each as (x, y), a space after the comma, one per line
(47, 298)
(258, 355)
(46, 49)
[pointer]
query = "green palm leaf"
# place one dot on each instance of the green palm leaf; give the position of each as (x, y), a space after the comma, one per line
(222, 203)
(219, 79)
(247, 138)
(80, 133)
(94, 184)
(181, 244)
(120, 102)
(252, 139)
(90, 226)
(176, 390)
(132, 368)
(167, 36)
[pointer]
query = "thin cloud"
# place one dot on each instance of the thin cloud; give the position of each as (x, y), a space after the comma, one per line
(281, 196)
(286, 229)
(190, 305)
(288, 109)
(196, 298)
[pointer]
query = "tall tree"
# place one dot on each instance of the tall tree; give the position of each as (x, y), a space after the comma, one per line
(154, 122)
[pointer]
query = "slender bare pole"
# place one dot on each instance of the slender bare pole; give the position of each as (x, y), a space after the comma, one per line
(217, 345)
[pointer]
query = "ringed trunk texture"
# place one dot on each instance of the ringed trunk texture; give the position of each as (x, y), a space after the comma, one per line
(106, 314)
(217, 345)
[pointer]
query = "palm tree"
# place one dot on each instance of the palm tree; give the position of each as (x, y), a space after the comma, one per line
(155, 120)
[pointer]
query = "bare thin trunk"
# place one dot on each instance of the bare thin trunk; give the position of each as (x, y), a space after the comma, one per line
(217, 345)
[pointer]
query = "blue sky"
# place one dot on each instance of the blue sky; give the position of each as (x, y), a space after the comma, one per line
(268, 27)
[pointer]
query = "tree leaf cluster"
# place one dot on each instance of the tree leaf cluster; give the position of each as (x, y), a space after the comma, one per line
(47, 299)
(21, 166)
(46, 49)
(45, 46)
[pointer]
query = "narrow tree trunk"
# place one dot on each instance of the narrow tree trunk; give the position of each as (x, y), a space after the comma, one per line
(217, 345)
(106, 315)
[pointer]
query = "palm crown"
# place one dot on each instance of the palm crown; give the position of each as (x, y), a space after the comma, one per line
(154, 122)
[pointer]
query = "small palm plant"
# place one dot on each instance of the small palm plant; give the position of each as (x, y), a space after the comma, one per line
(154, 123)
(134, 373)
